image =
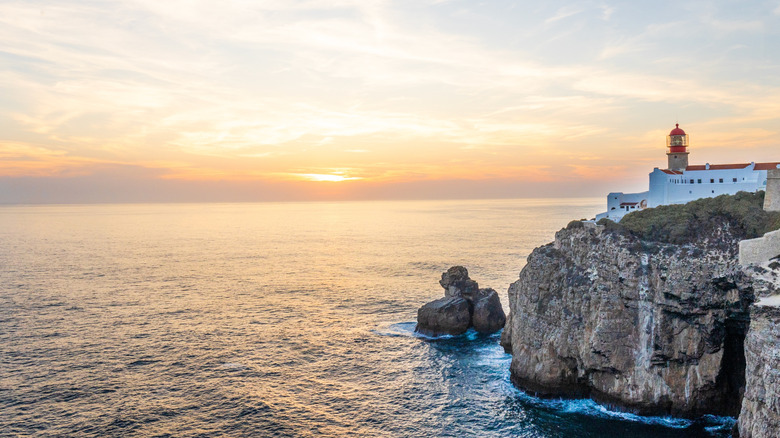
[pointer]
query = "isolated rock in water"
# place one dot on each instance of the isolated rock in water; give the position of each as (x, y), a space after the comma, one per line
(464, 304)
(456, 283)
(445, 316)
(488, 316)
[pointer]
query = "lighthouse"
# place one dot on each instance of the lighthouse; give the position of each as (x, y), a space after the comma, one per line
(681, 182)
(677, 149)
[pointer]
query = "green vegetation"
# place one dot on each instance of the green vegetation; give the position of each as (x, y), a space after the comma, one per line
(743, 213)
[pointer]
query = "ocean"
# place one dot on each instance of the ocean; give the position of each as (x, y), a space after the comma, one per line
(273, 319)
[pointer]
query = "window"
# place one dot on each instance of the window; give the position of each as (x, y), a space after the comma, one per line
(698, 181)
(713, 191)
(691, 182)
(734, 180)
(720, 180)
(613, 208)
(712, 181)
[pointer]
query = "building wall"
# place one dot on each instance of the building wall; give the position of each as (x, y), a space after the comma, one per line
(682, 187)
(615, 211)
(710, 183)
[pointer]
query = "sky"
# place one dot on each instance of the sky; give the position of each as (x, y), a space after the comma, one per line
(165, 101)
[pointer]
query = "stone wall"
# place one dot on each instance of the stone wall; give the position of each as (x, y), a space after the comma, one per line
(772, 199)
(759, 250)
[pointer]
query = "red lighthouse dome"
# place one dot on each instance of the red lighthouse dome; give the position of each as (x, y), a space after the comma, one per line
(677, 130)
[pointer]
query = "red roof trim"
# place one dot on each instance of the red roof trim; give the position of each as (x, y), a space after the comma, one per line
(759, 166)
(766, 166)
(717, 167)
(671, 172)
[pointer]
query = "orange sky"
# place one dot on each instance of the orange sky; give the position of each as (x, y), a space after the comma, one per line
(297, 100)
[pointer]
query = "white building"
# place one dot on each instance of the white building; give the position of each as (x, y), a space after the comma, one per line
(681, 183)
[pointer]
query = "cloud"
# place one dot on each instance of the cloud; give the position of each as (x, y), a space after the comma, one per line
(607, 12)
(139, 185)
(562, 13)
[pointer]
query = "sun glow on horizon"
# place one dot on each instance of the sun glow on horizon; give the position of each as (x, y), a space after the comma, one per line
(319, 177)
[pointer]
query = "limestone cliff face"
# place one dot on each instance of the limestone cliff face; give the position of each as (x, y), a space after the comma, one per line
(650, 327)
(760, 415)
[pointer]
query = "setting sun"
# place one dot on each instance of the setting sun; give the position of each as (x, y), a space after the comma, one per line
(323, 177)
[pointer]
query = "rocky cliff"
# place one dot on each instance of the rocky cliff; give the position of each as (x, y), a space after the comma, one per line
(648, 326)
(760, 414)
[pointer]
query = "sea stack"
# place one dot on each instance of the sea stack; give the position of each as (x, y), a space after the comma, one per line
(464, 305)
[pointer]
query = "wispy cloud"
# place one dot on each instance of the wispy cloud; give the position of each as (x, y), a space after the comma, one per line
(562, 13)
(606, 12)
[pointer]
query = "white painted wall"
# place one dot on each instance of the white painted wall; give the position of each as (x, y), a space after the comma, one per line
(668, 189)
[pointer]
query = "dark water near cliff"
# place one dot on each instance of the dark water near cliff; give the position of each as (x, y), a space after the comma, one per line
(270, 320)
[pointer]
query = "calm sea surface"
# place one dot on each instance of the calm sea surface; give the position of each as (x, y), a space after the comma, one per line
(274, 319)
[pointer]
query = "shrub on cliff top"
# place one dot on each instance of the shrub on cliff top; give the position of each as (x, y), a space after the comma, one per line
(611, 226)
(743, 213)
